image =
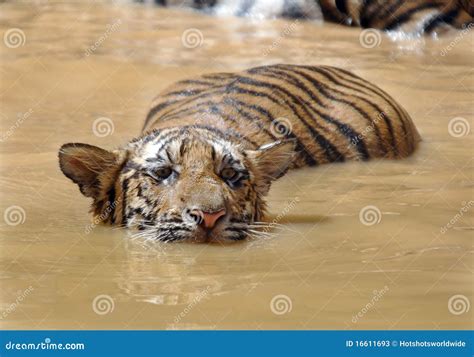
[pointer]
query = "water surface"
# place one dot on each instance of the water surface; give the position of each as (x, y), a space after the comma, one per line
(330, 267)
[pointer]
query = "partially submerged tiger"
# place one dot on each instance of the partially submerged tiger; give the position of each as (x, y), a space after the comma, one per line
(211, 147)
(409, 17)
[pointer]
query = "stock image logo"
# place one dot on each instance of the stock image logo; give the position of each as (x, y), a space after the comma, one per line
(14, 215)
(103, 304)
(281, 127)
(459, 304)
(281, 304)
(14, 38)
(370, 215)
(370, 38)
(458, 127)
(102, 127)
(192, 38)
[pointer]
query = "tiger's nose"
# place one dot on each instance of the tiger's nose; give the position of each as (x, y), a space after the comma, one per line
(209, 219)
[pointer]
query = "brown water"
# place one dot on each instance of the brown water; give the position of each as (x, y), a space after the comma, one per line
(328, 262)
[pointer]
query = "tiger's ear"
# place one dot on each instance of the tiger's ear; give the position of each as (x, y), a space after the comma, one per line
(272, 160)
(90, 167)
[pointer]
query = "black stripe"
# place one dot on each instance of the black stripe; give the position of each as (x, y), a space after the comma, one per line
(375, 12)
(124, 202)
(309, 159)
(112, 204)
(405, 16)
(221, 75)
(240, 236)
(176, 229)
(230, 135)
(172, 220)
(332, 153)
(166, 140)
(237, 89)
(170, 235)
(234, 229)
(234, 88)
(213, 153)
(330, 150)
(373, 90)
(154, 110)
(195, 82)
(293, 80)
(196, 110)
(184, 92)
(447, 18)
(355, 107)
(390, 11)
(342, 6)
(253, 118)
(187, 110)
(363, 20)
(345, 129)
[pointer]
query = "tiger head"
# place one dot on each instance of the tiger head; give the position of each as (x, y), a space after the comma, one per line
(178, 184)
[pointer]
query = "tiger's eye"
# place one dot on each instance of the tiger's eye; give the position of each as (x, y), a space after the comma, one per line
(164, 172)
(228, 173)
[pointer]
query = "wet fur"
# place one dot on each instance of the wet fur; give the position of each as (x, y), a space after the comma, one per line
(202, 125)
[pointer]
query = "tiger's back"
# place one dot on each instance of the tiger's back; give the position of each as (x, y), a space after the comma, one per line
(333, 115)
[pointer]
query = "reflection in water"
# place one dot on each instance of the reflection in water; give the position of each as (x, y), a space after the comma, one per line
(164, 274)
(84, 61)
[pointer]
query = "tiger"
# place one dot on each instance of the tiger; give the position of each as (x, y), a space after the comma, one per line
(412, 17)
(212, 145)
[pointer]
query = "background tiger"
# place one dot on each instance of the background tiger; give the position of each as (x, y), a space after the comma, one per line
(211, 146)
(409, 16)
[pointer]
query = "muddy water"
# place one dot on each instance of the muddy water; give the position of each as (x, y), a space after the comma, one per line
(377, 245)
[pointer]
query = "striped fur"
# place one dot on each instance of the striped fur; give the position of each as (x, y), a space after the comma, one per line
(412, 16)
(259, 123)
